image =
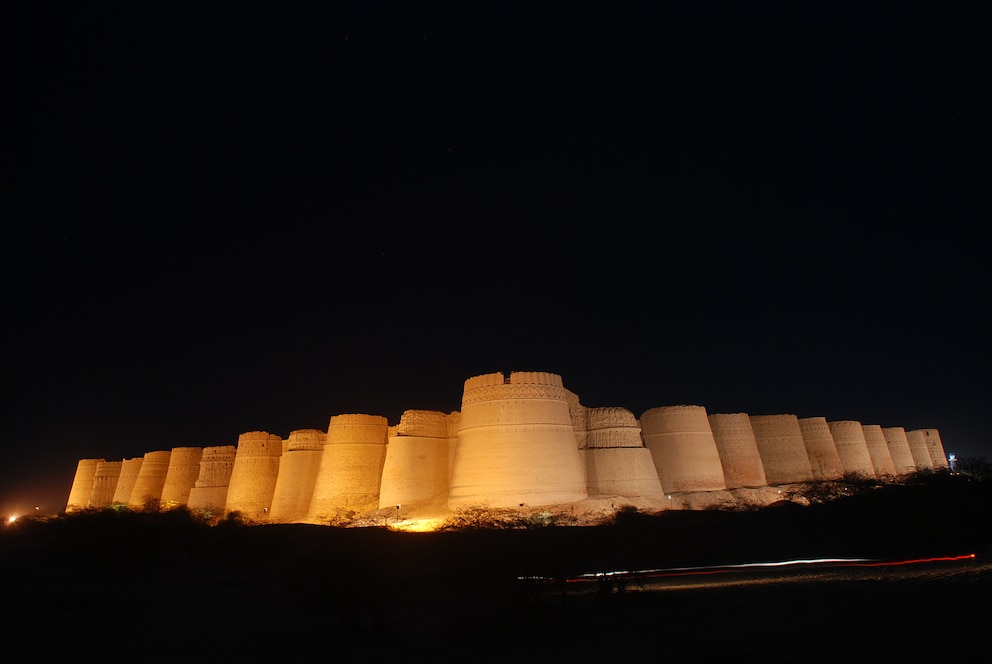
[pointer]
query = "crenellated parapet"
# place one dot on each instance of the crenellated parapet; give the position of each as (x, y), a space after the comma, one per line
(306, 439)
(357, 428)
(546, 387)
(429, 423)
(612, 427)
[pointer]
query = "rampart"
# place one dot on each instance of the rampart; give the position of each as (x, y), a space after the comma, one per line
(516, 444)
(519, 440)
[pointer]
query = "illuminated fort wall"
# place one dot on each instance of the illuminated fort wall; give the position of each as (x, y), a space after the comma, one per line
(617, 462)
(936, 448)
(416, 468)
(209, 492)
(350, 471)
(782, 448)
(82, 484)
(878, 450)
(738, 450)
(918, 448)
(105, 483)
(898, 444)
(254, 474)
(683, 448)
(184, 468)
(125, 482)
(518, 439)
(516, 444)
(297, 475)
(824, 461)
(852, 447)
(151, 478)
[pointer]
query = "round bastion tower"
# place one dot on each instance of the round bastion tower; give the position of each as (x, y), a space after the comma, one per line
(852, 447)
(683, 448)
(822, 450)
(297, 475)
(254, 474)
(148, 485)
(82, 484)
(209, 492)
(184, 468)
(350, 468)
(738, 450)
(416, 467)
(936, 448)
(918, 448)
(516, 444)
(105, 483)
(898, 444)
(878, 450)
(125, 482)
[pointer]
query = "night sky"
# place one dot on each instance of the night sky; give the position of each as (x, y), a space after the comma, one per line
(233, 218)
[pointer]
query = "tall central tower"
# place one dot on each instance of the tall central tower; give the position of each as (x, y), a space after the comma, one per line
(516, 444)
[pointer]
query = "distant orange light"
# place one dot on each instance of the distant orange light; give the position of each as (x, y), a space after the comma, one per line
(12, 518)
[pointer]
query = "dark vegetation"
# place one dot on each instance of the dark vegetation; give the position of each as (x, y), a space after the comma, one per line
(157, 586)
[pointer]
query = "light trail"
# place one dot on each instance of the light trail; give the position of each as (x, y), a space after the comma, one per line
(723, 569)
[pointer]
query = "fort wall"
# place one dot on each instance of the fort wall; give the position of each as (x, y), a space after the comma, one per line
(521, 439)
(821, 449)
(738, 450)
(125, 483)
(617, 462)
(683, 448)
(852, 447)
(416, 469)
(105, 483)
(516, 444)
(254, 474)
(209, 492)
(782, 448)
(936, 449)
(918, 448)
(82, 484)
(350, 471)
(898, 444)
(297, 475)
(151, 478)
(878, 450)
(184, 468)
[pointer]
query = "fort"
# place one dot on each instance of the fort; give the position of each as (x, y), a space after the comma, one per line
(519, 441)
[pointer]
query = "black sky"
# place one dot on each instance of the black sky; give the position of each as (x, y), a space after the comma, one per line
(223, 219)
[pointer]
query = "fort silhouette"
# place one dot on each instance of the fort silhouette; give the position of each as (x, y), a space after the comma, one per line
(521, 440)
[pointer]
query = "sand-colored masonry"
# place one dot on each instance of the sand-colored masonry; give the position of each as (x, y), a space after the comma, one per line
(518, 439)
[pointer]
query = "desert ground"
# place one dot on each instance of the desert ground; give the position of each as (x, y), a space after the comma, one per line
(164, 588)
